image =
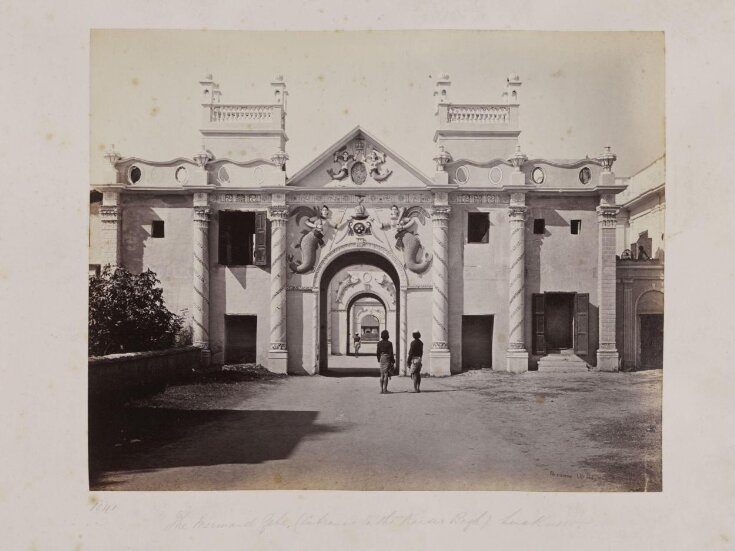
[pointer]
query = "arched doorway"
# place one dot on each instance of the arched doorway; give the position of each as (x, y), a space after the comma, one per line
(324, 276)
(354, 324)
(650, 330)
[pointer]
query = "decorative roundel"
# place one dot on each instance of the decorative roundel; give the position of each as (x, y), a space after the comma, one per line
(585, 175)
(461, 175)
(134, 174)
(538, 175)
(367, 277)
(495, 175)
(258, 174)
(182, 175)
(359, 228)
(358, 173)
(223, 177)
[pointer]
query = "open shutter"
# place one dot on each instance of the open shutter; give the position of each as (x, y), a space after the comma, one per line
(539, 324)
(581, 323)
(260, 251)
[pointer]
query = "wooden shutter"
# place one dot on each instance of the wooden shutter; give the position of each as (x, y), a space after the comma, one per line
(581, 323)
(260, 251)
(539, 324)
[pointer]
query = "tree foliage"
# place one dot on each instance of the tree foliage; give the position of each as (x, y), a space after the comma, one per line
(127, 313)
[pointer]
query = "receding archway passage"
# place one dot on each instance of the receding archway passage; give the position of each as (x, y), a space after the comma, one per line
(358, 293)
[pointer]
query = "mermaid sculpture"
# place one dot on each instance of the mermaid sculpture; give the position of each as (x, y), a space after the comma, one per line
(405, 222)
(311, 238)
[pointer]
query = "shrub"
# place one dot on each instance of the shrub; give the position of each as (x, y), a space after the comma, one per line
(127, 313)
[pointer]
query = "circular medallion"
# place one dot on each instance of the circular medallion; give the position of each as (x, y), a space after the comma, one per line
(366, 277)
(358, 173)
(461, 175)
(223, 177)
(134, 174)
(181, 175)
(585, 175)
(538, 175)
(495, 175)
(359, 228)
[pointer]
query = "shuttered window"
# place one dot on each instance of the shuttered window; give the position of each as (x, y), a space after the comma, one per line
(243, 238)
(539, 324)
(581, 323)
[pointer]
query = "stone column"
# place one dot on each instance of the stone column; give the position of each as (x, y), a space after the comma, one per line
(607, 354)
(628, 324)
(440, 356)
(111, 217)
(517, 354)
(278, 353)
(200, 309)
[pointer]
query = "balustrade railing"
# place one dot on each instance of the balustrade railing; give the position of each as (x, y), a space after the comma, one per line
(237, 113)
(489, 114)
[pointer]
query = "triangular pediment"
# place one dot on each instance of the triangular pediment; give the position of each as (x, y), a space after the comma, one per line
(359, 160)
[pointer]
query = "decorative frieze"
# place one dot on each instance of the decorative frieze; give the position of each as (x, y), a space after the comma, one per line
(241, 197)
(387, 199)
(479, 199)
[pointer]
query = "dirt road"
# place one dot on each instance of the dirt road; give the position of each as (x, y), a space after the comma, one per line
(475, 431)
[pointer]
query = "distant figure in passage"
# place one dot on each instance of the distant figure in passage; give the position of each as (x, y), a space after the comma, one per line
(413, 361)
(386, 360)
(356, 342)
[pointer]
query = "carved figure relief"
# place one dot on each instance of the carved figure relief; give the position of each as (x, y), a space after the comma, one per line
(360, 223)
(350, 280)
(387, 284)
(312, 236)
(405, 221)
(343, 157)
(358, 165)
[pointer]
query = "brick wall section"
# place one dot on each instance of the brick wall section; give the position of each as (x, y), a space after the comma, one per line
(121, 376)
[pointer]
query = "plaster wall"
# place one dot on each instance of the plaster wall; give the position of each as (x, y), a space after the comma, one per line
(480, 287)
(170, 257)
(559, 261)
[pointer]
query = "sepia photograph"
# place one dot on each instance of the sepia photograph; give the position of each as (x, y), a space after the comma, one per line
(386, 260)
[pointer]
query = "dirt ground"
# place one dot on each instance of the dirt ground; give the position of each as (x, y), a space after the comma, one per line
(475, 431)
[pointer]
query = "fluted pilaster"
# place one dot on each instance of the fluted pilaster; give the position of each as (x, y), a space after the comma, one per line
(607, 354)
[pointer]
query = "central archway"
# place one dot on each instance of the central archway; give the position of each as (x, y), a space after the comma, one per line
(326, 273)
(350, 329)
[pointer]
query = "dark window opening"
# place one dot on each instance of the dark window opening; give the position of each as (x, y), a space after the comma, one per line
(576, 227)
(539, 226)
(135, 174)
(243, 238)
(478, 227)
(157, 228)
(240, 339)
(95, 197)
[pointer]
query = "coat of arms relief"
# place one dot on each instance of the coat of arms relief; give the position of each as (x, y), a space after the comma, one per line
(358, 163)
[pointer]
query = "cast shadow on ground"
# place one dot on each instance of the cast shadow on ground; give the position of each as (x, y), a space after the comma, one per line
(141, 439)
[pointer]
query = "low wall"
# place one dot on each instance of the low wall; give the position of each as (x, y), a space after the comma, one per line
(120, 376)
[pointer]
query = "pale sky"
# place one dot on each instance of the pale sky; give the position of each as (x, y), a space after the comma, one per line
(580, 92)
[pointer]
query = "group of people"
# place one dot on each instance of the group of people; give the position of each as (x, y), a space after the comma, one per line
(387, 361)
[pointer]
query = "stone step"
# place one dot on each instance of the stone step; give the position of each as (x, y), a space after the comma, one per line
(562, 363)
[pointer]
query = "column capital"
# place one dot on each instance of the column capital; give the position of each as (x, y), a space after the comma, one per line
(517, 213)
(607, 216)
(109, 214)
(202, 214)
(440, 212)
(278, 213)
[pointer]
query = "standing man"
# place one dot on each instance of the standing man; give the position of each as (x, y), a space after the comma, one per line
(413, 360)
(356, 343)
(386, 360)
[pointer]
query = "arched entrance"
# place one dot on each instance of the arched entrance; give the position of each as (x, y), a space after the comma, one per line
(650, 330)
(324, 275)
(356, 325)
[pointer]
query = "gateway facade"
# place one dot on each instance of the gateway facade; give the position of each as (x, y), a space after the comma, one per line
(499, 260)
